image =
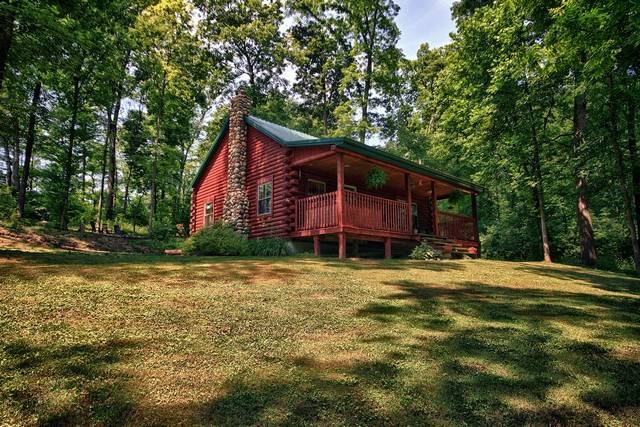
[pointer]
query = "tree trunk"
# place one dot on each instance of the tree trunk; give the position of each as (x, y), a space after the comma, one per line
(84, 174)
(104, 168)
(156, 149)
(69, 160)
(15, 161)
(546, 249)
(365, 98)
(111, 182)
(7, 19)
(632, 143)
(125, 204)
(7, 160)
(113, 175)
(28, 149)
(585, 225)
(620, 171)
(537, 172)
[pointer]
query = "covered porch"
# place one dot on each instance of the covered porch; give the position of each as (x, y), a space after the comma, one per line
(334, 201)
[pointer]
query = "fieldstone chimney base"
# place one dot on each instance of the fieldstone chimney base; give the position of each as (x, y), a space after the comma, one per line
(236, 203)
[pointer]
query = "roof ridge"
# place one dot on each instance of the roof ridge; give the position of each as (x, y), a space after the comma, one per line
(280, 133)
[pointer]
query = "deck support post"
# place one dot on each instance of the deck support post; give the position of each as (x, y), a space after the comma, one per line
(316, 245)
(474, 213)
(342, 245)
(387, 247)
(407, 183)
(434, 209)
(342, 238)
(340, 189)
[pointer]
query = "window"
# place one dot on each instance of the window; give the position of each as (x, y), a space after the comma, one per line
(315, 187)
(350, 188)
(264, 198)
(208, 214)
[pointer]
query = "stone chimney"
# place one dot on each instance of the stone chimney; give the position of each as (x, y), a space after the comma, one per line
(236, 203)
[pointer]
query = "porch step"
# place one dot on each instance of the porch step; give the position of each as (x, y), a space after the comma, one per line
(449, 245)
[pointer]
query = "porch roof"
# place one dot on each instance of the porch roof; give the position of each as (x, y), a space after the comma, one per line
(350, 144)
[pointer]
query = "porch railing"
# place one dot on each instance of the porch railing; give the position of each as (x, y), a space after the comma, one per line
(315, 212)
(360, 211)
(375, 213)
(456, 226)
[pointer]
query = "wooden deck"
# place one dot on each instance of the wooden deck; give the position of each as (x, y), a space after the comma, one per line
(375, 218)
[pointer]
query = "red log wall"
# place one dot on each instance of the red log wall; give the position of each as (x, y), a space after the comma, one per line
(266, 161)
(212, 187)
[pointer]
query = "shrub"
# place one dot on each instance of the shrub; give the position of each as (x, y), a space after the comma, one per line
(270, 246)
(425, 252)
(219, 239)
(163, 231)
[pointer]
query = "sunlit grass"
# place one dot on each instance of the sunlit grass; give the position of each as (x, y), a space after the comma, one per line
(98, 338)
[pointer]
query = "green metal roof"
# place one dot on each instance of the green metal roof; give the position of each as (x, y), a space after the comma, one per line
(292, 138)
(279, 133)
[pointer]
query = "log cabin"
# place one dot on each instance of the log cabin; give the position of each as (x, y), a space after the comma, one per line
(267, 180)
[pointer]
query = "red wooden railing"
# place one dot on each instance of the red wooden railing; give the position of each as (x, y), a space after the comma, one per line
(375, 213)
(456, 226)
(360, 210)
(316, 212)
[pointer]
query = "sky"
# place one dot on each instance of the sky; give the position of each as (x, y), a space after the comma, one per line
(424, 21)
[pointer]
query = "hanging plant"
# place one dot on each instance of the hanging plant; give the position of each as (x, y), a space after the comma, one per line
(376, 178)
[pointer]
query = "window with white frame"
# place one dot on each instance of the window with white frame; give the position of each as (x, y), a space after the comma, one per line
(315, 187)
(350, 188)
(208, 214)
(265, 195)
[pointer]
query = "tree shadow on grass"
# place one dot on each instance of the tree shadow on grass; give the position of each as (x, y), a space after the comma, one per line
(143, 268)
(67, 384)
(500, 345)
(494, 354)
(316, 393)
(395, 265)
(613, 282)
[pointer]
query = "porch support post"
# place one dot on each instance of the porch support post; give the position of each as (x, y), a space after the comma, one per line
(387, 247)
(407, 183)
(340, 189)
(434, 208)
(474, 212)
(342, 238)
(316, 245)
(342, 245)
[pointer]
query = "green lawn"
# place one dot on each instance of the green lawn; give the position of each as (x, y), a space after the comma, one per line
(105, 339)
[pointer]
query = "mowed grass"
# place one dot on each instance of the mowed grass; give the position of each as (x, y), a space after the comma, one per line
(141, 340)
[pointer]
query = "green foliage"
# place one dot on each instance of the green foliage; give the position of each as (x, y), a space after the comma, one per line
(425, 252)
(269, 246)
(163, 231)
(7, 202)
(218, 239)
(376, 178)
(221, 239)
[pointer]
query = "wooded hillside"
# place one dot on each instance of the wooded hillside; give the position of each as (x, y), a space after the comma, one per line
(107, 108)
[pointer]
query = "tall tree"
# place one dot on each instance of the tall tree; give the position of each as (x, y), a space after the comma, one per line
(172, 75)
(320, 52)
(28, 151)
(372, 77)
(246, 35)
